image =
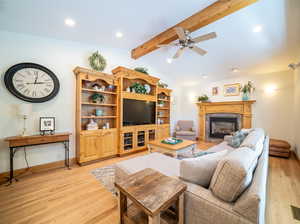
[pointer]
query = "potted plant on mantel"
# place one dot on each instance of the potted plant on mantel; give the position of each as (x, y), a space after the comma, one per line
(203, 98)
(247, 89)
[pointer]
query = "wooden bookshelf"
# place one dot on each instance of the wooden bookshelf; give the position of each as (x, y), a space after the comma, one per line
(103, 142)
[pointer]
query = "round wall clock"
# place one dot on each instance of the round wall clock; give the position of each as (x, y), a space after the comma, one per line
(31, 82)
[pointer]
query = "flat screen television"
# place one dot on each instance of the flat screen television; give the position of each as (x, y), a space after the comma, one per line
(138, 112)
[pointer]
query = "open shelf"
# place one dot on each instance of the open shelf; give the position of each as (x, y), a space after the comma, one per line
(98, 91)
(98, 117)
(138, 96)
(163, 108)
(99, 104)
(162, 100)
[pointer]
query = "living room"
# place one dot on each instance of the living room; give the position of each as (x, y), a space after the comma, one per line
(122, 90)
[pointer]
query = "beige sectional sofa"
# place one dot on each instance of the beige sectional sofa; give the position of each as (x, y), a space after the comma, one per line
(237, 190)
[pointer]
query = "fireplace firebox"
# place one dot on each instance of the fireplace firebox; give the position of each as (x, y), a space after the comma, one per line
(221, 126)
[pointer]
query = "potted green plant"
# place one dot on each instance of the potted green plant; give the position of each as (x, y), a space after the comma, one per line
(247, 89)
(97, 98)
(162, 85)
(203, 98)
(138, 88)
(142, 70)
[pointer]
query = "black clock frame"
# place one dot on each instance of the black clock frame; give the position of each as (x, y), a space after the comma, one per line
(8, 80)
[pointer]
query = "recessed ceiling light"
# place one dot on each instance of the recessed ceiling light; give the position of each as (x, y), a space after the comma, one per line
(235, 70)
(169, 60)
(70, 22)
(257, 29)
(119, 34)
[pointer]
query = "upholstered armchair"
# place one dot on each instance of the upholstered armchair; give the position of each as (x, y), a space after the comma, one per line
(185, 130)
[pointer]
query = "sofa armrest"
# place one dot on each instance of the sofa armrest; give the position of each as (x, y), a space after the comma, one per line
(202, 207)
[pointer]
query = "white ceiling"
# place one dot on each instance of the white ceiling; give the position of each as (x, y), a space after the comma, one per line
(236, 46)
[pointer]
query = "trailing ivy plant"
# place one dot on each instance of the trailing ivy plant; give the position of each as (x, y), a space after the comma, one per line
(97, 61)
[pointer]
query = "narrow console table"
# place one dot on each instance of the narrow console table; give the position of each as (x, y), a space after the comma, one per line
(16, 142)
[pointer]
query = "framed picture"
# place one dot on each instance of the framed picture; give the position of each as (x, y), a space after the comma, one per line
(47, 125)
(232, 89)
(215, 91)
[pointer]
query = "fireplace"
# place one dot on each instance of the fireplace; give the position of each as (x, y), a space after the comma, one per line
(221, 126)
(241, 110)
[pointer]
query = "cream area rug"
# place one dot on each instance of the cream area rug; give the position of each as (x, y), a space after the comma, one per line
(106, 176)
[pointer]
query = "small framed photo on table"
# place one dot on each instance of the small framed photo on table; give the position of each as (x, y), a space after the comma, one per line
(47, 125)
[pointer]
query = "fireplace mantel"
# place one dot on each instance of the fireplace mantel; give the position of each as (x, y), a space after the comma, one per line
(244, 108)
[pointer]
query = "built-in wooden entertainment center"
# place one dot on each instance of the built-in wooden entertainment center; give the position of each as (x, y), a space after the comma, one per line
(112, 138)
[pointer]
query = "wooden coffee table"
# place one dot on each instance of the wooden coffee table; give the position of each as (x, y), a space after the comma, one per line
(152, 194)
(174, 150)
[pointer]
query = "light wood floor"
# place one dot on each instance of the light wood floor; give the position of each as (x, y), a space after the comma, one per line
(75, 196)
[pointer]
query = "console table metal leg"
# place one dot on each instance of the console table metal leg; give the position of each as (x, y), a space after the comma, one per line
(67, 154)
(11, 173)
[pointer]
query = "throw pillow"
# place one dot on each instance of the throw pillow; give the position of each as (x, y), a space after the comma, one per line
(255, 140)
(200, 170)
(233, 174)
(237, 139)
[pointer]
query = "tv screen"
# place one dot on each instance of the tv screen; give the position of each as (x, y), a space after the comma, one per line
(137, 112)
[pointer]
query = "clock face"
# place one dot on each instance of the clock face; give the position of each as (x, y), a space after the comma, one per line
(31, 82)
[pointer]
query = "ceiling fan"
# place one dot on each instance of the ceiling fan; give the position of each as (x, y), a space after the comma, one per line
(187, 42)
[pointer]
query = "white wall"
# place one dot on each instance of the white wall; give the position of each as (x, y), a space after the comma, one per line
(61, 57)
(272, 111)
(297, 112)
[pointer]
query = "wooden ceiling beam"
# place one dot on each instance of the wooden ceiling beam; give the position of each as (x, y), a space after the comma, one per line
(212, 13)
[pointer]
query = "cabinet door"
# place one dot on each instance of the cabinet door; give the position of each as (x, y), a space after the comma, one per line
(90, 147)
(109, 141)
(166, 132)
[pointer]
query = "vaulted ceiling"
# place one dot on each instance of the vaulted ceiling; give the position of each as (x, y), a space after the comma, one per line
(237, 45)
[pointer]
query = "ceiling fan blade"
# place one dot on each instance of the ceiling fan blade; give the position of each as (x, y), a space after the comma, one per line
(166, 45)
(179, 52)
(204, 37)
(180, 32)
(198, 50)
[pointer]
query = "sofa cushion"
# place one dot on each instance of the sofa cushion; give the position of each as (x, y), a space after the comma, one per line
(255, 140)
(220, 147)
(200, 170)
(233, 174)
(185, 133)
(167, 165)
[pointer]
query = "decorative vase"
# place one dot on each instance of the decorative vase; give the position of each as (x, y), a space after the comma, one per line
(99, 112)
(245, 96)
